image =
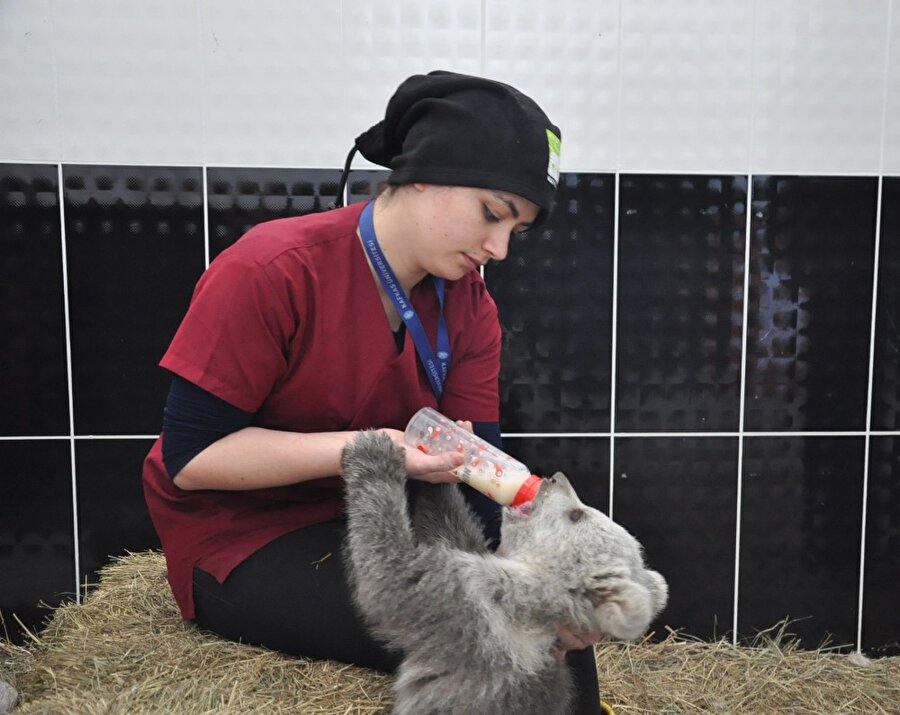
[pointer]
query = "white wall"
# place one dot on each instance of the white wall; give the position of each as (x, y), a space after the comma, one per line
(742, 86)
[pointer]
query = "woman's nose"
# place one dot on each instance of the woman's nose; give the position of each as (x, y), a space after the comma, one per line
(497, 244)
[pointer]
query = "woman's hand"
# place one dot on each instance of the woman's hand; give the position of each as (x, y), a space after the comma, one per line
(567, 640)
(433, 468)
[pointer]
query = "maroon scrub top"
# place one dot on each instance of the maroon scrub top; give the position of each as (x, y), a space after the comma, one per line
(288, 324)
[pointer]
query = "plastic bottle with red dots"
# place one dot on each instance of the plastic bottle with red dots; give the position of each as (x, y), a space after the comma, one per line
(487, 469)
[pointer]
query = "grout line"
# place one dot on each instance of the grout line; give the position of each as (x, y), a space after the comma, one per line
(614, 344)
(188, 165)
(89, 437)
(34, 438)
(710, 171)
(92, 437)
(742, 400)
(742, 394)
(693, 435)
(865, 485)
(873, 324)
(527, 435)
(68, 335)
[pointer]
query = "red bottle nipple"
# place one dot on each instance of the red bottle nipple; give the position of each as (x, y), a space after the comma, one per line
(528, 490)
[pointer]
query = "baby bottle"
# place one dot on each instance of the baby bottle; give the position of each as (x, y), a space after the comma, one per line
(492, 472)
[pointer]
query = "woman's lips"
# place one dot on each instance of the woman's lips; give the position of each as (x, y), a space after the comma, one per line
(475, 264)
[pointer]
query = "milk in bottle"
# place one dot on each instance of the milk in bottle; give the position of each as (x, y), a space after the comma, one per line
(487, 469)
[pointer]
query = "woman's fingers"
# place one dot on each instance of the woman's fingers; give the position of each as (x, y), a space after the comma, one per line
(432, 468)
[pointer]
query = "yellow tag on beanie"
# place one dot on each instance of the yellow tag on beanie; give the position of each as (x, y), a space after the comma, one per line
(555, 145)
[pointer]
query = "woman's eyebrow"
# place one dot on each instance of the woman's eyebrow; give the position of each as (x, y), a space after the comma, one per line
(509, 204)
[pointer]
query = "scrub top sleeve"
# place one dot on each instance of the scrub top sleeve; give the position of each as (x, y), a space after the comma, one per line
(235, 337)
(472, 390)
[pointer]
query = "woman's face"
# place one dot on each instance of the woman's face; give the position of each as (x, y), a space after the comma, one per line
(461, 228)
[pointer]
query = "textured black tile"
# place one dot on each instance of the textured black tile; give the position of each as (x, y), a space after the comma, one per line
(37, 555)
(134, 239)
(811, 268)
(678, 496)
(241, 198)
(801, 522)
(881, 583)
(554, 294)
(112, 514)
(886, 373)
(364, 184)
(33, 389)
(680, 302)
(584, 461)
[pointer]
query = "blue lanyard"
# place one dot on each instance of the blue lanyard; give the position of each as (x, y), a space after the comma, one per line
(435, 366)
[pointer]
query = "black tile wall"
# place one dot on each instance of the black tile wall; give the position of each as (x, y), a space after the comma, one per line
(886, 372)
(811, 269)
(241, 198)
(680, 303)
(37, 552)
(33, 384)
(881, 585)
(801, 524)
(112, 514)
(363, 184)
(584, 461)
(134, 240)
(554, 294)
(678, 496)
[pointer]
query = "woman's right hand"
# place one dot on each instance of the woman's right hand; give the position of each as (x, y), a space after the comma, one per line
(433, 468)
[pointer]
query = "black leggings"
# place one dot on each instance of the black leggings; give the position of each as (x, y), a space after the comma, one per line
(292, 596)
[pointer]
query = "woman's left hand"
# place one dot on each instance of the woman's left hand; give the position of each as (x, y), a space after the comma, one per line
(433, 468)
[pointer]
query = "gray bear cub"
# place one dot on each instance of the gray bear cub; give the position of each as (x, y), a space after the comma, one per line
(476, 629)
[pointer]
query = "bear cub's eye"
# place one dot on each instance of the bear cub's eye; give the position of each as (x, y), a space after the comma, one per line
(575, 515)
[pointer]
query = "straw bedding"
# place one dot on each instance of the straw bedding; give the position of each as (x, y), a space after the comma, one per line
(126, 650)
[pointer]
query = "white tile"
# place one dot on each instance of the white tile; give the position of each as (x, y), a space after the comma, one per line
(273, 83)
(686, 85)
(706, 85)
(129, 81)
(563, 54)
(892, 111)
(386, 42)
(28, 121)
(818, 86)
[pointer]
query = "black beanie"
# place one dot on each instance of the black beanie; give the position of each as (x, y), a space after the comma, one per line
(460, 130)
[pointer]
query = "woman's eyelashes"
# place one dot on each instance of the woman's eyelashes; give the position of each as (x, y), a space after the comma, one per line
(489, 215)
(492, 217)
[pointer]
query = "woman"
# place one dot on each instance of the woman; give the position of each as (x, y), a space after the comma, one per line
(309, 329)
